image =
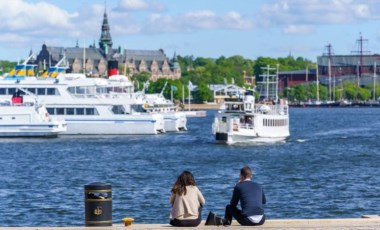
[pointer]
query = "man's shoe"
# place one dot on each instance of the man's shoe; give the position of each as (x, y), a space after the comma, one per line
(226, 222)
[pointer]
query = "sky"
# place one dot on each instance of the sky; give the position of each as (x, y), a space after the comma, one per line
(202, 28)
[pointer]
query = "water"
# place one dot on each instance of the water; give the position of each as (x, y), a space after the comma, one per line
(328, 168)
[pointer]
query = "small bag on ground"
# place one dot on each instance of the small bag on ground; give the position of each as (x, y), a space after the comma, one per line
(213, 219)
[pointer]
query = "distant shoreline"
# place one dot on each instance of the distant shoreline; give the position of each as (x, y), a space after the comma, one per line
(202, 106)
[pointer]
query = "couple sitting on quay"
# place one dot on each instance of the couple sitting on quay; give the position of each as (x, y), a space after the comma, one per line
(187, 202)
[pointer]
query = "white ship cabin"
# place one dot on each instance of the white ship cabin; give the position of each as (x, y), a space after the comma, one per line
(76, 85)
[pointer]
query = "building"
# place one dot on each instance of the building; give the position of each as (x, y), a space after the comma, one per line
(295, 77)
(223, 91)
(95, 61)
(334, 69)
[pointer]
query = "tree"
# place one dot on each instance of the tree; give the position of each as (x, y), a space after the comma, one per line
(176, 85)
(141, 78)
(203, 93)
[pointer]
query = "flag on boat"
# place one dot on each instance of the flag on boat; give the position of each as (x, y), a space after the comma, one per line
(55, 71)
(29, 70)
(20, 70)
(174, 88)
(191, 86)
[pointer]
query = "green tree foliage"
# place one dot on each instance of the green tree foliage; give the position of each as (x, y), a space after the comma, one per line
(6, 66)
(178, 92)
(203, 93)
(141, 78)
(377, 90)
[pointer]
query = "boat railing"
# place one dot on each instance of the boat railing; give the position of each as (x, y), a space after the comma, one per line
(246, 126)
(10, 104)
(271, 109)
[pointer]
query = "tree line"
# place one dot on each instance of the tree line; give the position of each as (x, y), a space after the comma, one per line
(202, 72)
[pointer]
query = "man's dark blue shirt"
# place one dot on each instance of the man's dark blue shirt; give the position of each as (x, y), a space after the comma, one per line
(251, 197)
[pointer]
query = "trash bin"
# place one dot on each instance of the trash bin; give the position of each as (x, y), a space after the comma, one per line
(98, 204)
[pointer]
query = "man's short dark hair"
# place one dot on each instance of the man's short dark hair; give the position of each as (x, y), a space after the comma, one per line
(246, 172)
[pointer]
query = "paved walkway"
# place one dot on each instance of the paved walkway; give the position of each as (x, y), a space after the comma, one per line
(366, 222)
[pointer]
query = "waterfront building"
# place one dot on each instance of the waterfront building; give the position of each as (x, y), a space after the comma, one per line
(95, 61)
(296, 77)
(222, 91)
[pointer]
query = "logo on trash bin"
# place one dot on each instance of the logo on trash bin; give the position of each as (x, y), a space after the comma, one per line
(98, 211)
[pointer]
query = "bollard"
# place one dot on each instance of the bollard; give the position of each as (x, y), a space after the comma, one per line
(98, 204)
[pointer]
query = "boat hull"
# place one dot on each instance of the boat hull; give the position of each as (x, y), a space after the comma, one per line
(175, 121)
(125, 125)
(232, 138)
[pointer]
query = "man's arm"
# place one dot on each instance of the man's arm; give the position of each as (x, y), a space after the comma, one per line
(235, 198)
(264, 198)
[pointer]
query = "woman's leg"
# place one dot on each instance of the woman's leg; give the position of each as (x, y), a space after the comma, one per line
(186, 223)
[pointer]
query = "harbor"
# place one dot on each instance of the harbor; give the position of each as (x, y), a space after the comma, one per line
(316, 173)
(140, 114)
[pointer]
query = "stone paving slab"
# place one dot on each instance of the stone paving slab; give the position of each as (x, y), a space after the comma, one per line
(366, 222)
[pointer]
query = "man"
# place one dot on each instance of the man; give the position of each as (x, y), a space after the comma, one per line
(251, 197)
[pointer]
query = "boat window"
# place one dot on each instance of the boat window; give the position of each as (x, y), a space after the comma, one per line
(118, 109)
(60, 111)
(80, 90)
(71, 90)
(41, 91)
(91, 111)
(224, 119)
(70, 111)
(80, 111)
(50, 111)
(101, 90)
(3, 91)
(32, 90)
(52, 91)
(137, 108)
(11, 91)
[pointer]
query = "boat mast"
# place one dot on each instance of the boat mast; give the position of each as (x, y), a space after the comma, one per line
(329, 53)
(278, 65)
(273, 80)
(317, 83)
(374, 82)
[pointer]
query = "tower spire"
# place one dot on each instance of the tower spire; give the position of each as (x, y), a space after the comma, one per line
(105, 42)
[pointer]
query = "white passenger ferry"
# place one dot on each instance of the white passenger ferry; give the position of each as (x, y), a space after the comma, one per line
(27, 119)
(244, 120)
(88, 105)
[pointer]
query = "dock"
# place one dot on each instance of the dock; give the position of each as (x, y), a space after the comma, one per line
(365, 222)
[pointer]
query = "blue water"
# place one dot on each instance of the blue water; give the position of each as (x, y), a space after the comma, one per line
(328, 168)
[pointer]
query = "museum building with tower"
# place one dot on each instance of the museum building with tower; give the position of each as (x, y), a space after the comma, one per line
(99, 61)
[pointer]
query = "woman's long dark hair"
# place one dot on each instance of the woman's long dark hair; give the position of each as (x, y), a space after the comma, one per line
(183, 180)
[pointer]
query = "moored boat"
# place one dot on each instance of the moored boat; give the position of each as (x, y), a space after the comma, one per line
(27, 119)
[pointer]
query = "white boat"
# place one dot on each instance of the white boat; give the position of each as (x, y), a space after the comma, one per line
(28, 119)
(88, 105)
(244, 120)
(156, 103)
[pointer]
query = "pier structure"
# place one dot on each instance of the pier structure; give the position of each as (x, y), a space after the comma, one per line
(365, 222)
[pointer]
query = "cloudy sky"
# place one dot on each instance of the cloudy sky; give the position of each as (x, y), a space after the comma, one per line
(203, 28)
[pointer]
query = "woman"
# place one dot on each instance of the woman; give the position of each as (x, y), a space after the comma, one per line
(187, 202)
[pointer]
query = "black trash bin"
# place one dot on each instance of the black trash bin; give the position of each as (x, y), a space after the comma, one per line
(98, 204)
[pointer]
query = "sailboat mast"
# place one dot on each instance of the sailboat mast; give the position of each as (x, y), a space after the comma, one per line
(317, 83)
(374, 82)
(278, 65)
